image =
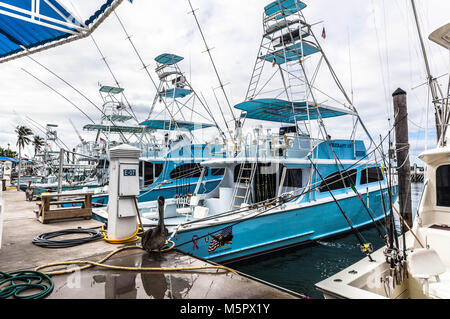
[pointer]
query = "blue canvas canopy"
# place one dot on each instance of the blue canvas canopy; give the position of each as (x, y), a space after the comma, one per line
(168, 59)
(291, 53)
(28, 26)
(4, 159)
(170, 125)
(176, 93)
(282, 111)
(287, 7)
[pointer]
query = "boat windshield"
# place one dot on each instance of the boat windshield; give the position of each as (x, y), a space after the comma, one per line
(443, 186)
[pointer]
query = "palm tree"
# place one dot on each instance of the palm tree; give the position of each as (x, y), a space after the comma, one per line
(23, 139)
(38, 142)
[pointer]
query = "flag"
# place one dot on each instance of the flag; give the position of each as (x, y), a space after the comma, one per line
(324, 35)
(102, 141)
(225, 237)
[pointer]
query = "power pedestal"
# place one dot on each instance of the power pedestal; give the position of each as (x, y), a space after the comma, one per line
(123, 191)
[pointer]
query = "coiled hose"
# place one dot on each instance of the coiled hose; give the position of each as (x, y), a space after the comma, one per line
(15, 283)
(43, 240)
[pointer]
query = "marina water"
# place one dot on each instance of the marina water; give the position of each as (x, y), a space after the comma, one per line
(299, 270)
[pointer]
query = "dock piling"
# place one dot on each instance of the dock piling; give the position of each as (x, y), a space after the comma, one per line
(402, 150)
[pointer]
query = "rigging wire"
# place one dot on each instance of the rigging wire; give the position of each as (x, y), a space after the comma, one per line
(76, 90)
(208, 50)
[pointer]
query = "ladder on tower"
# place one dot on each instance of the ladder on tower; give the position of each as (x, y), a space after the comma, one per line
(295, 81)
(257, 71)
(242, 188)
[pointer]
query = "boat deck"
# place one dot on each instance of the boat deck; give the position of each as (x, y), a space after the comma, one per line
(17, 252)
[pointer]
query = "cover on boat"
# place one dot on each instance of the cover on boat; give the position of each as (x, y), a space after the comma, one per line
(176, 93)
(288, 6)
(169, 125)
(28, 26)
(168, 59)
(4, 159)
(291, 53)
(441, 36)
(115, 128)
(281, 111)
(111, 89)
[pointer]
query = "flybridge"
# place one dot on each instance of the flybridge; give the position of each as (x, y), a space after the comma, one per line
(29, 26)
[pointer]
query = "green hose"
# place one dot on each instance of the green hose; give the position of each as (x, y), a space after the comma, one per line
(20, 281)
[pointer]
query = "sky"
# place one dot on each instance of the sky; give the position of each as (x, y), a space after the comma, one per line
(372, 45)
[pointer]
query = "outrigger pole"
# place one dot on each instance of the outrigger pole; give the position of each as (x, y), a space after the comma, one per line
(208, 50)
(431, 80)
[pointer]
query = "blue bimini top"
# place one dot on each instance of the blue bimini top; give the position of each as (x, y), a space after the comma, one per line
(282, 111)
(285, 7)
(168, 59)
(170, 125)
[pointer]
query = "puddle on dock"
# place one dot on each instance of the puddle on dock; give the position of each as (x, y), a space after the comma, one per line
(101, 283)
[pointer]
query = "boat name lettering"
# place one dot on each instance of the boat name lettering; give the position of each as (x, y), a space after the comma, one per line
(338, 145)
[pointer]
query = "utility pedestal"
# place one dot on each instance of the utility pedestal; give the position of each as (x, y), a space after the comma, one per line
(123, 191)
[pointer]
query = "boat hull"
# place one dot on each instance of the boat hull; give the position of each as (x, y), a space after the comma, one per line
(280, 230)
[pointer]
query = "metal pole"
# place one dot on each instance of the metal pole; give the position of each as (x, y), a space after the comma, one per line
(61, 161)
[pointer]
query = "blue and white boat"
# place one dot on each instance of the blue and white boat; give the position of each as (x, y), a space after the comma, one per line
(169, 167)
(288, 187)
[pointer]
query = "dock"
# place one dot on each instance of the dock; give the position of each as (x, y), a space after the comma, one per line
(18, 253)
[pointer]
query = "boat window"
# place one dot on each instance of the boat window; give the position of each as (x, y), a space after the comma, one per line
(265, 182)
(371, 175)
(334, 180)
(151, 172)
(293, 178)
(217, 171)
(186, 171)
(443, 186)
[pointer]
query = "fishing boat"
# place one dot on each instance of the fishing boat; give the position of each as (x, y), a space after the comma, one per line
(285, 188)
(44, 168)
(417, 267)
(169, 165)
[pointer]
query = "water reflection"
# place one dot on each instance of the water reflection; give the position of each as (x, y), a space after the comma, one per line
(301, 269)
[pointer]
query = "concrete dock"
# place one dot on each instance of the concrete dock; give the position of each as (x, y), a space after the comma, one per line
(20, 227)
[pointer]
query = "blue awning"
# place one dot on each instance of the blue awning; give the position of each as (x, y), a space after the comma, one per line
(176, 93)
(168, 125)
(291, 53)
(4, 159)
(168, 59)
(287, 7)
(26, 25)
(281, 111)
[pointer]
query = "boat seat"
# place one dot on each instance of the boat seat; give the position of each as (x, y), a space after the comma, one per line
(187, 211)
(426, 266)
(200, 212)
(440, 289)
